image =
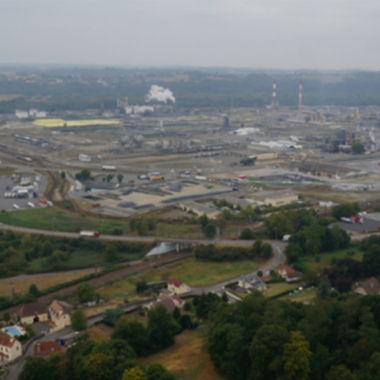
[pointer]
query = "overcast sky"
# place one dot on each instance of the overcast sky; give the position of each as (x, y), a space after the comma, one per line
(289, 34)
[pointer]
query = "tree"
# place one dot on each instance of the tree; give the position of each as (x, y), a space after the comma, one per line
(340, 372)
(84, 175)
(203, 220)
(324, 289)
(110, 253)
(134, 333)
(35, 368)
(357, 147)
(142, 227)
(371, 369)
(111, 316)
(266, 351)
(34, 290)
(47, 249)
(293, 253)
(158, 372)
(186, 322)
(209, 230)
(99, 367)
(278, 225)
(257, 247)
(225, 297)
(63, 175)
(313, 235)
(188, 306)
(161, 328)
(345, 209)
(86, 293)
(247, 234)
(78, 320)
(6, 317)
(176, 313)
(135, 373)
(120, 178)
(141, 287)
(371, 261)
(296, 358)
(266, 250)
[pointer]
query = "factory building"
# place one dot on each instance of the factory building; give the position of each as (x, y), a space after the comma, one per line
(276, 198)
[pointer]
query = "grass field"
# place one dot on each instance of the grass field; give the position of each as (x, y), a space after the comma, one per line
(22, 286)
(187, 359)
(53, 218)
(53, 123)
(306, 295)
(312, 266)
(279, 287)
(199, 273)
(82, 260)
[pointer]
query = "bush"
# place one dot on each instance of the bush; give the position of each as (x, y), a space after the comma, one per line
(78, 320)
(246, 234)
(188, 306)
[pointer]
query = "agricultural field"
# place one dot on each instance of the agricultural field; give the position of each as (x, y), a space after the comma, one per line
(313, 266)
(54, 123)
(200, 273)
(52, 218)
(187, 359)
(21, 286)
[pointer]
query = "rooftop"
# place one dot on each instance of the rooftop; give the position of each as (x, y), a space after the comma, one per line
(30, 309)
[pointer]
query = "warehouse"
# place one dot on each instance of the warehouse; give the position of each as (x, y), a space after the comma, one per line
(277, 198)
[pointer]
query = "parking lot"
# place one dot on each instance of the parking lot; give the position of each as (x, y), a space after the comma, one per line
(371, 223)
(7, 184)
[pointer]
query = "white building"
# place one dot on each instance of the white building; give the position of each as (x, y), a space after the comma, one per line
(10, 348)
(22, 114)
(84, 158)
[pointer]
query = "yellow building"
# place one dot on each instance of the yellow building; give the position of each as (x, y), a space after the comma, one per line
(60, 314)
(33, 312)
(178, 287)
(10, 348)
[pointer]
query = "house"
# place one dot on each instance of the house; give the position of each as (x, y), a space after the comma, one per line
(178, 302)
(289, 274)
(10, 348)
(60, 314)
(177, 287)
(47, 348)
(251, 282)
(368, 287)
(33, 312)
(167, 303)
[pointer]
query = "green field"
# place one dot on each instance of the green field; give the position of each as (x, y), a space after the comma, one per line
(279, 287)
(200, 273)
(312, 266)
(49, 218)
(306, 295)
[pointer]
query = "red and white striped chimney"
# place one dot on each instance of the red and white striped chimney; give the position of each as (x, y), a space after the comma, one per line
(274, 95)
(300, 98)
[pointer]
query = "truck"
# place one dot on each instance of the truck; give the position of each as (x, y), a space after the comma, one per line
(347, 220)
(357, 219)
(90, 234)
(158, 178)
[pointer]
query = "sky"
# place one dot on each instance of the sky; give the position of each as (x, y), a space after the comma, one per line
(282, 34)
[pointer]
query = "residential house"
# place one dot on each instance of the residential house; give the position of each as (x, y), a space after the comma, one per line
(167, 303)
(178, 287)
(47, 348)
(368, 287)
(251, 282)
(178, 302)
(33, 312)
(10, 348)
(60, 314)
(289, 274)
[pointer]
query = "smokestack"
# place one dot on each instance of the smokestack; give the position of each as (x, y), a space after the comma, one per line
(300, 99)
(274, 95)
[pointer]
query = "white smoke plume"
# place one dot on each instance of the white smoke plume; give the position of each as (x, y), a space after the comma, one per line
(160, 94)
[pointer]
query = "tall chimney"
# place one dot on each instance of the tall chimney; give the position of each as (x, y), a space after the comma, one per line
(300, 99)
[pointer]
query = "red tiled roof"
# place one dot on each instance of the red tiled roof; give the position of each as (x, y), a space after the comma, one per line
(47, 348)
(7, 341)
(175, 282)
(290, 272)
